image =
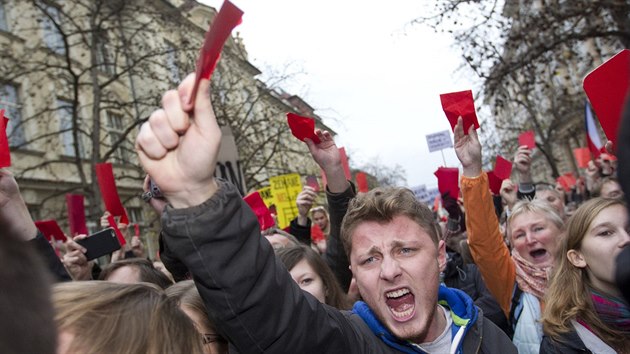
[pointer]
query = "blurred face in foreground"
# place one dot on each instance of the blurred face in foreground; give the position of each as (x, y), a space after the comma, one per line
(535, 238)
(607, 235)
(395, 265)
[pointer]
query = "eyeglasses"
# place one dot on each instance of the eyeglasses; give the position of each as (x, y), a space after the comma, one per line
(212, 337)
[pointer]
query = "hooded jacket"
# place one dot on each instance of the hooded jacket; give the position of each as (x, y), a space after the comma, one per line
(255, 303)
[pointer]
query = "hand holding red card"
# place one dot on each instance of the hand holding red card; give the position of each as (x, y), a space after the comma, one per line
(448, 181)
(109, 192)
(260, 209)
(528, 139)
(456, 104)
(302, 127)
(607, 88)
(112, 223)
(228, 17)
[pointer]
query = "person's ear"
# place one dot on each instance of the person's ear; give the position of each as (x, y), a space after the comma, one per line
(576, 258)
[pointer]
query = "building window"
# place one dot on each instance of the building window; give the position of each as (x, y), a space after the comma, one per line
(116, 132)
(103, 59)
(3, 18)
(10, 103)
(135, 215)
(171, 62)
(52, 36)
(64, 111)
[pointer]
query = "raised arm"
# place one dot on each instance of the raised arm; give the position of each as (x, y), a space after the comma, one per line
(484, 237)
(247, 292)
(339, 192)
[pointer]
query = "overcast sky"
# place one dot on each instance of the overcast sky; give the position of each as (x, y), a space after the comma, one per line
(374, 78)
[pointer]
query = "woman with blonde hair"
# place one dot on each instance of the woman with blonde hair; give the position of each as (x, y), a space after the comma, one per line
(103, 317)
(585, 310)
(186, 295)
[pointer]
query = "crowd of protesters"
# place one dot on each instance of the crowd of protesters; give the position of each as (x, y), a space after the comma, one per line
(533, 269)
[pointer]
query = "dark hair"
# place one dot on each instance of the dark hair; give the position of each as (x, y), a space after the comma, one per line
(146, 271)
(26, 311)
(382, 205)
(290, 256)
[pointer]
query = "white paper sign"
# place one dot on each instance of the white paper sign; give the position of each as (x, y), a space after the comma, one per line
(440, 140)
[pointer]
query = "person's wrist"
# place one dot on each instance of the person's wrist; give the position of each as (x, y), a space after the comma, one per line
(473, 170)
(525, 177)
(302, 220)
(193, 196)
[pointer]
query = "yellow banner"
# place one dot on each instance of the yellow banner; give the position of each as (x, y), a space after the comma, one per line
(285, 189)
(267, 196)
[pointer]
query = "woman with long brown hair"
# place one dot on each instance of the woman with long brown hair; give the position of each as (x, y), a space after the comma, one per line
(584, 308)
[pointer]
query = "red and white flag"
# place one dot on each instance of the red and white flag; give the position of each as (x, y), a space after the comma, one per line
(592, 135)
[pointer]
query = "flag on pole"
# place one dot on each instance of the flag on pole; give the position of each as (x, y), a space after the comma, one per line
(592, 135)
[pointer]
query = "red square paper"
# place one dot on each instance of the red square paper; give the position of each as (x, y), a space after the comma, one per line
(528, 139)
(265, 220)
(362, 182)
(76, 214)
(607, 88)
(582, 156)
(448, 181)
(494, 183)
(229, 16)
(344, 163)
(456, 104)
(502, 168)
(51, 230)
(302, 127)
(109, 192)
(5, 153)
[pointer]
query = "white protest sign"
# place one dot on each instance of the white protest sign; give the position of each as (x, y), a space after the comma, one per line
(440, 140)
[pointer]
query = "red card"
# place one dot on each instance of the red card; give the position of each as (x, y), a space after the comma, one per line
(494, 183)
(502, 168)
(265, 220)
(105, 176)
(582, 156)
(448, 181)
(228, 17)
(76, 214)
(362, 182)
(528, 139)
(607, 88)
(317, 234)
(312, 182)
(51, 230)
(457, 104)
(136, 229)
(567, 181)
(119, 235)
(344, 162)
(5, 153)
(302, 127)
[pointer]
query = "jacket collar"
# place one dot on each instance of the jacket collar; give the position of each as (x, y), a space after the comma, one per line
(462, 310)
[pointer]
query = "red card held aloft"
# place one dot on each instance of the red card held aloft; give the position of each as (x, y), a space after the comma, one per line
(448, 181)
(5, 153)
(607, 88)
(502, 168)
(528, 139)
(76, 214)
(51, 230)
(362, 182)
(312, 182)
(229, 16)
(112, 223)
(582, 156)
(302, 127)
(109, 192)
(494, 183)
(260, 209)
(567, 181)
(344, 163)
(456, 104)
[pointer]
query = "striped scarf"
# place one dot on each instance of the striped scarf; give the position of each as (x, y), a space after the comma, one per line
(614, 312)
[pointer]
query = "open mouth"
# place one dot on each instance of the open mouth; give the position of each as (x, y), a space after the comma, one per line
(401, 303)
(538, 254)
